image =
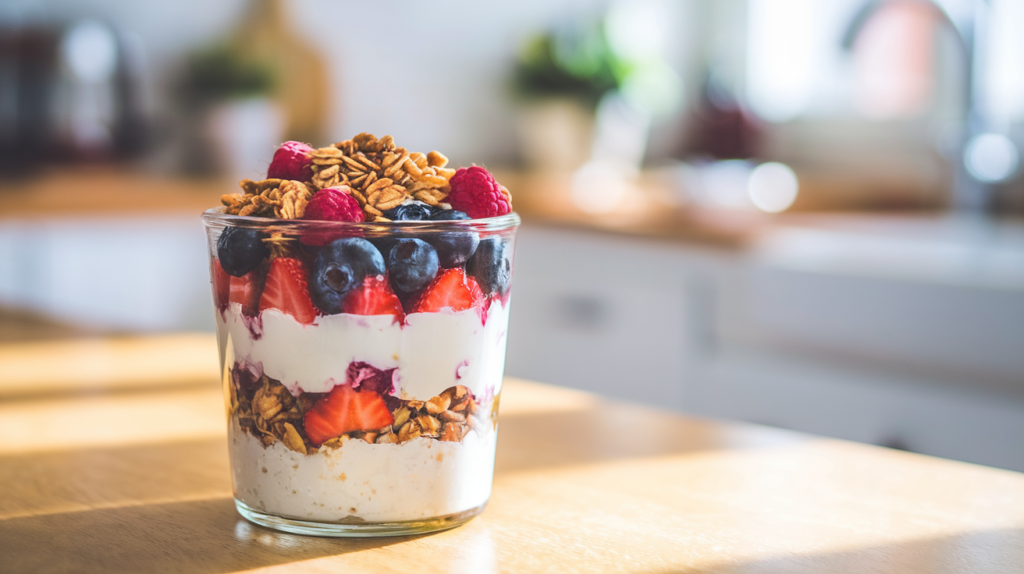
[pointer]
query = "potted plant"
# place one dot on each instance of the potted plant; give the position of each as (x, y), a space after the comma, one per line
(559, 78)
(603, 69)
(234, 120)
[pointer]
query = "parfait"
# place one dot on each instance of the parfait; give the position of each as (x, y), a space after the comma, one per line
(362, 298)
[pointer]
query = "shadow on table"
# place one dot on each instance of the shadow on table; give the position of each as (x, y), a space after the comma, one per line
(998, 551)
(201, 536)
(207, 536)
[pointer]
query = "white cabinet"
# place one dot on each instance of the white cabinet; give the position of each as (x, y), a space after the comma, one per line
(117, 273)
(927, 366)
(600, 313)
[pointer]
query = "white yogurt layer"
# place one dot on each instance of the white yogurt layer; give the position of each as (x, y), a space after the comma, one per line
(432, 351)
(419, 479)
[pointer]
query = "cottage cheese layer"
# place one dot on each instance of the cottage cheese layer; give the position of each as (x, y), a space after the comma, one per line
(419, 479)
(432, 351)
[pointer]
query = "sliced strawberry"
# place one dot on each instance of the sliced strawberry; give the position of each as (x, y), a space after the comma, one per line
(345, 410)
(452, 289)
(287, 290)
(221, 284)
(373, 297)
(245, 290)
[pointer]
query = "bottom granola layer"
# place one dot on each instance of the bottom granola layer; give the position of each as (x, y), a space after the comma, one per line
(357, 481)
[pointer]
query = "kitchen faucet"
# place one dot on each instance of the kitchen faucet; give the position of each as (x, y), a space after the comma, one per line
(984, 155)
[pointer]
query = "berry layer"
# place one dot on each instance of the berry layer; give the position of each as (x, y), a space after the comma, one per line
(418, 479)
(432, 351)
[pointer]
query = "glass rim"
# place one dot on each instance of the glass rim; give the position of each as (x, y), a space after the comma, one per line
(215, 217)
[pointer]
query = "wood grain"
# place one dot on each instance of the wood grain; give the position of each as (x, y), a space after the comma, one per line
(107, 364)
(582, 485)
(105, 191)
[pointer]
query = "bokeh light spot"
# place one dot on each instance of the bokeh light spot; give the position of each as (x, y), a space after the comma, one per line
(991, 157)
(772, 187)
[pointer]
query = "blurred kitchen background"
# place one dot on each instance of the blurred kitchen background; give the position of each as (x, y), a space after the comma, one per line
(798, 213)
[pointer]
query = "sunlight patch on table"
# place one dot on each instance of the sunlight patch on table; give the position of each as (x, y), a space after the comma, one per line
(152, 417)
(108, 363)
(521, 397)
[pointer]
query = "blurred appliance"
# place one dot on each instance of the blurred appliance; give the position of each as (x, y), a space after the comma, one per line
(68, 93)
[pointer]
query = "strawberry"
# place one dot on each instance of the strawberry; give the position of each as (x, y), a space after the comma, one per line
(373, 297)
(221, 284)
(287, 290)
(345, 410)
(245, 290)
(452, 289)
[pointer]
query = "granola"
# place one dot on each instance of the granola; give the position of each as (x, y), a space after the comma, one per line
(268, 411)
(282, 199)
(377, 173)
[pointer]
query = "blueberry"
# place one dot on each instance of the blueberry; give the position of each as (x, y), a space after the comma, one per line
(453, 248)
(412, 263)
(241, 250)
(338, 267)
(448, 215)
(409, 211)
(491, 266)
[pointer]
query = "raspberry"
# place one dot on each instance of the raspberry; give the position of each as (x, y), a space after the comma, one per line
(333, 204)
(475, 192)
(330, 204)
(291, 161)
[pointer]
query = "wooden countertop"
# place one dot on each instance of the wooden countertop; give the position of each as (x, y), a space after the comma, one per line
(113, 459)
(108, 191)
(651, 210)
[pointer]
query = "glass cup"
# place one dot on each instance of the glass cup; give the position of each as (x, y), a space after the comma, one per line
(361, 377)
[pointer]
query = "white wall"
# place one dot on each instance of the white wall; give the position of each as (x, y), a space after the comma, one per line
(433, 74)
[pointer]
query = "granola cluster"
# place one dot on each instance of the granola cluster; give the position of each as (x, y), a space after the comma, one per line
(268, 411)
(280, 198)
(377, 173)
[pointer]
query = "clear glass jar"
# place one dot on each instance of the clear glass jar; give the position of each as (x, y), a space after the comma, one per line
(373, 412)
